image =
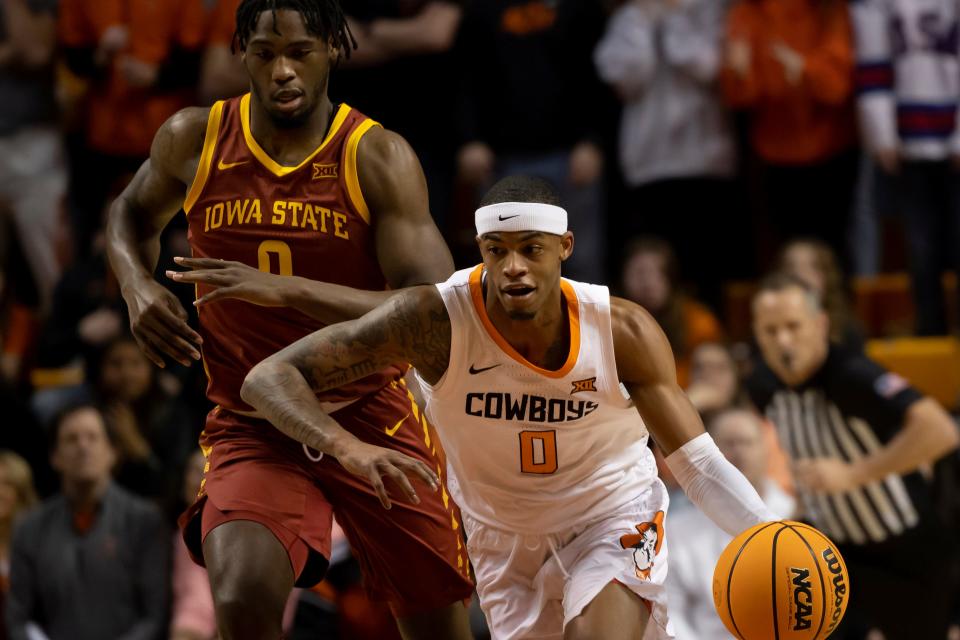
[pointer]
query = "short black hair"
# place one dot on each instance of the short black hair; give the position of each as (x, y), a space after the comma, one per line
(323, 18)
(522, 189)
(783, 280)
(56, 424)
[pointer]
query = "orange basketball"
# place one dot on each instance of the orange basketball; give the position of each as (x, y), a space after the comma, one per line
(782, 580)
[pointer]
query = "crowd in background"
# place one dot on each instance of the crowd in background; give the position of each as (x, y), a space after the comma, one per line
(694, 142)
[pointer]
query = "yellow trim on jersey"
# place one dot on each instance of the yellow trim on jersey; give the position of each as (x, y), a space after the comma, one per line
(351, 166)
(261, 155)
(207, 451)
(454, 525)
(206, 156)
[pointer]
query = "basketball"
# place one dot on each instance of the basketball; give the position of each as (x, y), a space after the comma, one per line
(781, 580)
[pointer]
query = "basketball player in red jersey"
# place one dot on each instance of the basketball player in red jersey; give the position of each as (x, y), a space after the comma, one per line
(283, 180)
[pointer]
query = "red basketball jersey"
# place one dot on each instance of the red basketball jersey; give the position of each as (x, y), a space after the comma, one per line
(309, 220)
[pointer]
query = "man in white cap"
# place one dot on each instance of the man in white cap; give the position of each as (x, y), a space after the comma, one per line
(535, 383)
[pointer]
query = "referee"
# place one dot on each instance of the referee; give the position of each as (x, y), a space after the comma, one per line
(858, 437)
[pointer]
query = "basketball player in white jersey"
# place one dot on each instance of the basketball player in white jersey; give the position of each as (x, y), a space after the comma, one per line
(537, 385)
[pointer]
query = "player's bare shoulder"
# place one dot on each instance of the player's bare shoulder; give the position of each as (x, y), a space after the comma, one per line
(178, 143)
(157, 190)
(632, 324)
(642, 350)
(381, 146)
(388, 168)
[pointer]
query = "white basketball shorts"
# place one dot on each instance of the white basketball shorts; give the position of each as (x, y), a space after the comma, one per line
(532, 586)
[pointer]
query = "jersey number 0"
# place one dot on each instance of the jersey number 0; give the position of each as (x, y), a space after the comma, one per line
(277, 248)
(538, 452)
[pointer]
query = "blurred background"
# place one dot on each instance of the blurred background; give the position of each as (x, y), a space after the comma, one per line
(697, 144)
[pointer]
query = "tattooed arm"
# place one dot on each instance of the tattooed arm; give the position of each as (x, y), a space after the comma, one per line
(412, 326)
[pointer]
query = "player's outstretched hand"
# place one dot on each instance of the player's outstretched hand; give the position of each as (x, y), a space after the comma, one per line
(159, 323)
(376, 463)
(231, 280)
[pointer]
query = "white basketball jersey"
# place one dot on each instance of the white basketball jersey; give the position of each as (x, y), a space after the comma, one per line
(532, 450)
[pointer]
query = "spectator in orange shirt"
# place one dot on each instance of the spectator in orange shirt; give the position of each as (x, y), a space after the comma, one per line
(141, 60)
(789, 64)
(650, 278)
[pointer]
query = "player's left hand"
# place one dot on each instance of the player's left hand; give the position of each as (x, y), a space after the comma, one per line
(231, 280)
(826, 475)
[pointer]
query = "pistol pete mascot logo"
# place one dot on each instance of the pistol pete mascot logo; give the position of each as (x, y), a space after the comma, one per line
(646, 544)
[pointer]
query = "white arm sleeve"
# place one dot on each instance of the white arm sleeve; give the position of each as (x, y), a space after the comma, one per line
(717, 487)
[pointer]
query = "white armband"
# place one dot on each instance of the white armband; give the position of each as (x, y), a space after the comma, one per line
(717, 487)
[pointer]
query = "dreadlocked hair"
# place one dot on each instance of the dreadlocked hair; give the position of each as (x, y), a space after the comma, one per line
(323, 18)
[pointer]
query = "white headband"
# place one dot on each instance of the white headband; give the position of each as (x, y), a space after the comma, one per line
(521, 216)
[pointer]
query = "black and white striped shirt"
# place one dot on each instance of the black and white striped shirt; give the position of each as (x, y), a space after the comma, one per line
(850, 408)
